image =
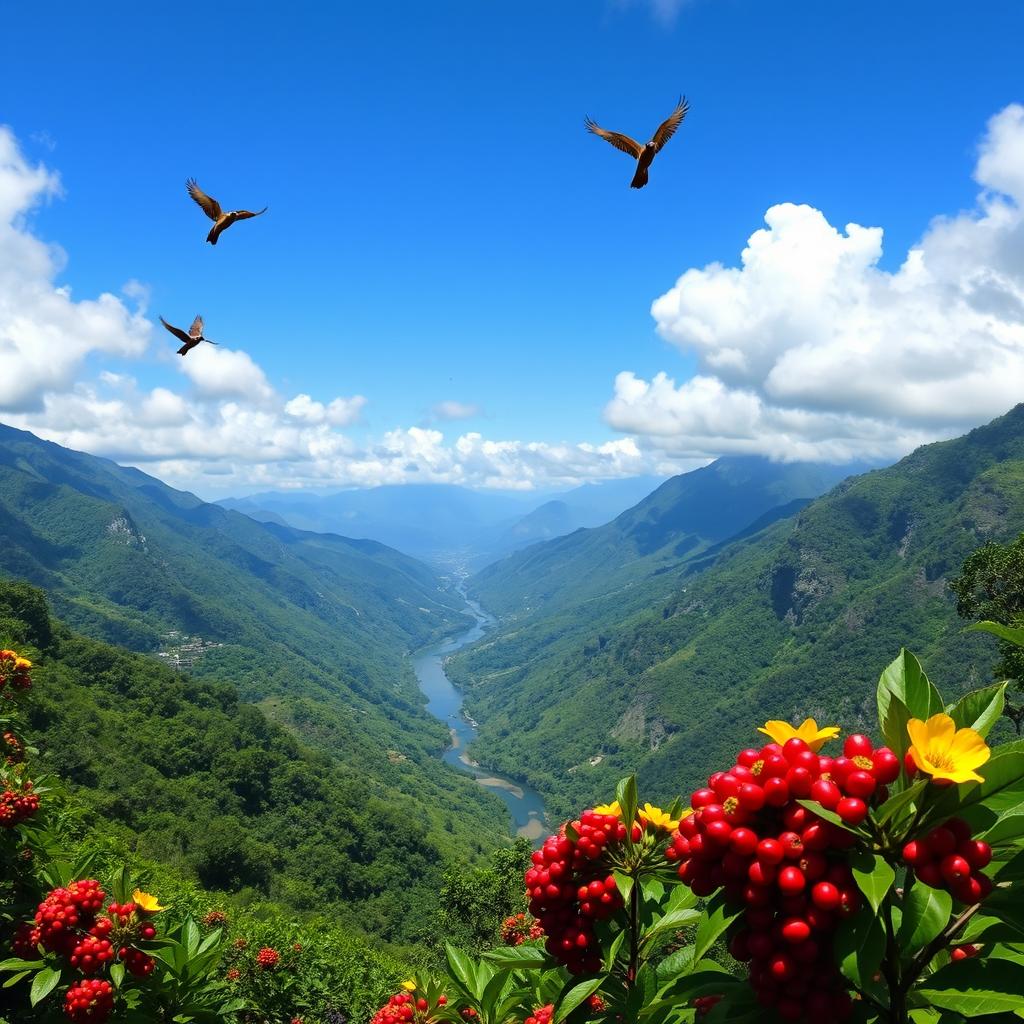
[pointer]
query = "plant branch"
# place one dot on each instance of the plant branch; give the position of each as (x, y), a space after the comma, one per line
(921, 961)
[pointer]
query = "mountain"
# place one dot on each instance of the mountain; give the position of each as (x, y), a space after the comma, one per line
(681, 518)
(794, 617)
(313, 628)
(446, 524)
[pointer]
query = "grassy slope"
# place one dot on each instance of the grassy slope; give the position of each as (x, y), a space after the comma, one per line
(673, 673)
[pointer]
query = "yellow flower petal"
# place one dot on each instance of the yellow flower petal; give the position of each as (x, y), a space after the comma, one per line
(147, 903)
(612, 808)
(409, 986)
(944, 752)
(808, 731)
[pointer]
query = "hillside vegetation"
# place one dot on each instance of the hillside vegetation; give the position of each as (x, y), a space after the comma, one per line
(662, 674)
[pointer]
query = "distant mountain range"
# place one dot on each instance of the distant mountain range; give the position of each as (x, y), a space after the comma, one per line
(660, 641)
(681, 518)
(315, 628)
(444, 524)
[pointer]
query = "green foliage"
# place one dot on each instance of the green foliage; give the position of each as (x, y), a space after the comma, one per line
(190, 775)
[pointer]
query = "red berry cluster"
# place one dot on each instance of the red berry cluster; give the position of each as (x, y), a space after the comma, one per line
(515, 930)
(705, 1004)
(948, 858)
(92, 954)
(65, 912)
(570, 888)
(17, 804)
(783, 864)
(267, 958)
(12, 748)
(542, 1015)
(26, 940)
(91, 999)
(15, 674)
(406, 1007)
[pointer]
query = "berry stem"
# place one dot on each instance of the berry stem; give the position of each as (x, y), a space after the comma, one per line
(634, 933)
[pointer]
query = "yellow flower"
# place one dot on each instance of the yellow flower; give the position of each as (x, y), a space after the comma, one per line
(146, 903)
(944, 752)
(22, 664)
(612, 808)
(8, 654)
(650, 815)
(809, 732)
(409, 986)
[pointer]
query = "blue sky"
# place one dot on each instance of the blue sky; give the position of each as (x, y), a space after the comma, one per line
(441, 228)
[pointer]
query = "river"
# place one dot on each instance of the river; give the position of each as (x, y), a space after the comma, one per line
(445, 702)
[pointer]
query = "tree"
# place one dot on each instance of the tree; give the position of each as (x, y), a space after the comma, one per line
(991, 587)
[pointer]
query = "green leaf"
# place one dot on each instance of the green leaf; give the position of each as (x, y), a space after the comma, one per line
(43, 984)
(1007, 905)
(673, 920)
(874, 876)
(117, 974)
(904, 692)
(1009, 826)
(613, 950)
(575, 996)
(1008, 633)
(859, 946)
(717, 917)
(15, 978)
(980, 709)
(461, 968)
(901, 802)
(17, 964)
(624, 883)
(826, 815)
(625, 793)
(975, 986)
(675, 964)
(518, 958)
(926, 912)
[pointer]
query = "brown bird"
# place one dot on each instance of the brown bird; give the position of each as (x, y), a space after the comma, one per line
(643, 154)
(193, 338)
(221, 220)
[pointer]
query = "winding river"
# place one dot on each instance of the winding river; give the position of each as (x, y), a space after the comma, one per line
(445, 702)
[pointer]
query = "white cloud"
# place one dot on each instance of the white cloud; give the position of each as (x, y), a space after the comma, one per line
(45, 335)
(452, 410)
(808, 349)
(341, 412)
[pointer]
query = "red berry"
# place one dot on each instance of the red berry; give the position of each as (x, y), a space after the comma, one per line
(954, 868)
(770, 851)
(743, 841)
(776, 791)
(825, 895)
(751, 796)
(826, 793)
(796, 930)
(886, 766)
(860, 783)
(976, 852)
(916, 852)
(791, 879)
(852, 810)
(857, 744)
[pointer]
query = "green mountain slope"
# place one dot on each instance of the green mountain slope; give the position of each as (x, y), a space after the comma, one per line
(193, 777)
(685, 515)
(795, 618)
(315, 628)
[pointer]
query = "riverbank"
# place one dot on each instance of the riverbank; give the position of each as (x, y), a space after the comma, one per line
(444, 701)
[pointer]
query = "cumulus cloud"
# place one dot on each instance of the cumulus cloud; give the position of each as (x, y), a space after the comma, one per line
(452, 410)
(808, 349)
(339, 412)
(45, 334)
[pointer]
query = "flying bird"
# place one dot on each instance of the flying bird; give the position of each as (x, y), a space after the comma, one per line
(221, 220)
(643, 154)
(193, 338)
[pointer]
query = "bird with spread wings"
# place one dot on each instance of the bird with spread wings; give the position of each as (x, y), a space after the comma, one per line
(221, 220)
(646, 153)
(193, 338)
